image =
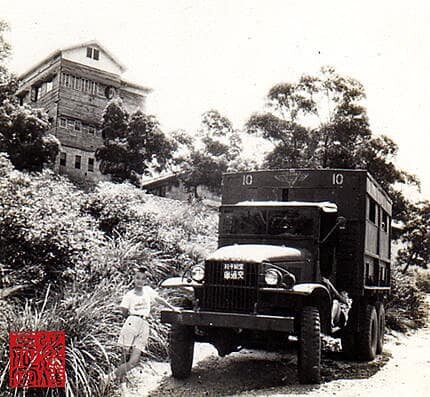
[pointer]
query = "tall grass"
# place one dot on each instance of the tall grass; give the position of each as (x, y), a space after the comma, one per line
(91, 324)
(103, 236)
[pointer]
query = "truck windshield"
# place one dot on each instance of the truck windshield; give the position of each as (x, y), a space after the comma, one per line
(285, 221)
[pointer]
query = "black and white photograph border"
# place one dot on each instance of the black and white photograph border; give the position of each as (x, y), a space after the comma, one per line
(215, 197)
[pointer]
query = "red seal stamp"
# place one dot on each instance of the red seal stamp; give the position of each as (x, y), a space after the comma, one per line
(37, 359)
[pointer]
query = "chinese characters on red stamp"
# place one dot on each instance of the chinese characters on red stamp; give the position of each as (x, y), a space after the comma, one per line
(37, 359)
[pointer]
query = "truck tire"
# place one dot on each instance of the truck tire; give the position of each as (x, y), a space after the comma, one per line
(367, 338)
(309, 354)
(181, 350)
(349, 344)
(380, 312)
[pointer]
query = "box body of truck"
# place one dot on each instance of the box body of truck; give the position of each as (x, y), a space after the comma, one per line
(363, 253)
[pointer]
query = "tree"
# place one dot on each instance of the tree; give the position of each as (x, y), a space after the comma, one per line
(416, 236)
(315, 122)
(292, 141)
(320, 122)
(23, 131)
(131, 144)
(24, 136)
(4, 53)
(215, 151)
(377, 156)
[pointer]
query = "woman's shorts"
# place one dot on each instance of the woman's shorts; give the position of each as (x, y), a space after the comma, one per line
(134, 333)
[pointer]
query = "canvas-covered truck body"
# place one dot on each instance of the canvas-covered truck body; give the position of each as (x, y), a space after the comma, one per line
(300, 252)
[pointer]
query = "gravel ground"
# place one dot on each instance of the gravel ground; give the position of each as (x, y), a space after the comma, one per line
(403, 370)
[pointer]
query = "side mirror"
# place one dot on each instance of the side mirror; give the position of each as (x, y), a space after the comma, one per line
(341, 222)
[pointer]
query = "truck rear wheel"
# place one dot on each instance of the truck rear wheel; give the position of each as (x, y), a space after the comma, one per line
(309, 354)
(367, 338)
(348, 344)
(380, 312)
(181, 350)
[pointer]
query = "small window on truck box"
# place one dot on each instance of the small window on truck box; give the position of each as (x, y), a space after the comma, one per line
(372, 210)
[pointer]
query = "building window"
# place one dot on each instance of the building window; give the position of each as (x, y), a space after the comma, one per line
(90, 164)
(78, 162)
(34, 94)
(66, 80)
(93, 53)
(78, 125)
(384, 221)
(372, 210)
(77, 83)
(63, 122)
(49, 86)
(91, 130)
(63, 158)
(70, 124)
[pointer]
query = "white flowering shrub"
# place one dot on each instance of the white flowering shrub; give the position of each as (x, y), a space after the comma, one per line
(44, 236)
(82, 247)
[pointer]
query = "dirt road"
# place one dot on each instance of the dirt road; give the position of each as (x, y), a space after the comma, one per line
(403, 370)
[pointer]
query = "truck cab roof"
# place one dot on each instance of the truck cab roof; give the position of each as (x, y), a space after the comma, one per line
(257, 253)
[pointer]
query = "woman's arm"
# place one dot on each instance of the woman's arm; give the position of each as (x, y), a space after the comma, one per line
(124, 311)
(163, 302)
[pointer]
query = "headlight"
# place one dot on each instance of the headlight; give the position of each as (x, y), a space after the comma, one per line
(272, 277)
(289, 280)
(198, 273)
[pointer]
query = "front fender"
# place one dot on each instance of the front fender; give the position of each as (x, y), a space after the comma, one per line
(310, 288)
(319, 296)
(179, 282)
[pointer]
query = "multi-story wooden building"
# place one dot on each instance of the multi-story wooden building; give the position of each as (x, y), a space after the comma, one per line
(74, 85)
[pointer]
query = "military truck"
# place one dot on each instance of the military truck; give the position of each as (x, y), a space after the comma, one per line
(301, 252)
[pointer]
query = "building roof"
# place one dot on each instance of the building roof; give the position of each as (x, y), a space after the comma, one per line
(127, 83)
(162, 180)
(58, 51)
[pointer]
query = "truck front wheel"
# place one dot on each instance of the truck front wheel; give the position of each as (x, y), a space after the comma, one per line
(367, 338)
(181, 350)
(309, 354)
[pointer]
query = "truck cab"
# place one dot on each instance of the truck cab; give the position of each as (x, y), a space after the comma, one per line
(293, 257)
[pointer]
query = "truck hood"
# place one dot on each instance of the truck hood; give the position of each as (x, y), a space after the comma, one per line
(257, 253)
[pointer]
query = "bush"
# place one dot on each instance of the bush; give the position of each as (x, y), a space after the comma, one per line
(84, 246)
(422, 277)
(44, 238)
(406, 307)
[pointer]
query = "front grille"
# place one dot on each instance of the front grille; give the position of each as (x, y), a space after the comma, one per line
(237, 295)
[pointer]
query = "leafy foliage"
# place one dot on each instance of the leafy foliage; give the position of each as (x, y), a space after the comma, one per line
(42, 236)
(320, 122)
(24, 136)
(82, 247)
(416, 236)
(23, 130)
(405, 308)
(132, 144)
(217, 150)
(4, 53)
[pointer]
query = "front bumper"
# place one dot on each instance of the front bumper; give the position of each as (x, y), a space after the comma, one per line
(229, 320)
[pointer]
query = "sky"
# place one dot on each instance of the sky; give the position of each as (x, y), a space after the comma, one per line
(198, 55)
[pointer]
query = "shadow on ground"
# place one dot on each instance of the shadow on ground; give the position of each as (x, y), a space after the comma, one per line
(256, 373)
